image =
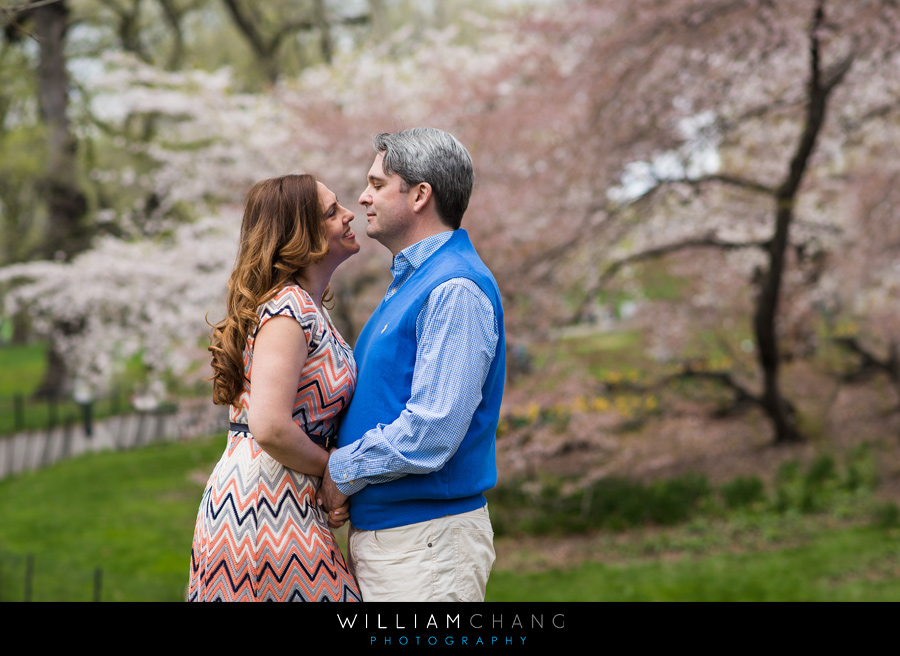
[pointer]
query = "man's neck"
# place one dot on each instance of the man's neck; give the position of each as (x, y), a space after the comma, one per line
(419, 235)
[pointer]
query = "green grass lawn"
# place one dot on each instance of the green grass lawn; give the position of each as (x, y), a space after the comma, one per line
(21, 368)
(132, 515)
(849, 564)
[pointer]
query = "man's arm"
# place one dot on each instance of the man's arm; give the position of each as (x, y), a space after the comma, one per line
(457, 338)
(333, 500)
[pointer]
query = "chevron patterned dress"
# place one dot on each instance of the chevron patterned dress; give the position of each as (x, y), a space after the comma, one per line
(260, 535)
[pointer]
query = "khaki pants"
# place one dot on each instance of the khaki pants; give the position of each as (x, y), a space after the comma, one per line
(444, 559)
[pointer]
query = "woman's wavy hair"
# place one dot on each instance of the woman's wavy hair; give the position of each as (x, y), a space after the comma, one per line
(282, 232)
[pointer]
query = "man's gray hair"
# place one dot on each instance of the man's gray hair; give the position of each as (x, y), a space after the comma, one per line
(433, 156)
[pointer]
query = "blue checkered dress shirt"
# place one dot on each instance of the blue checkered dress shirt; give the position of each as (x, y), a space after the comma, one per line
(457, 334)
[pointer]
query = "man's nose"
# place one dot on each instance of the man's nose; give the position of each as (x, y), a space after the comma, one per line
(365, 198)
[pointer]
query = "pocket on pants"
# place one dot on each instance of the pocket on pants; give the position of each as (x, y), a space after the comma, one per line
(403, 540)
(474, 553)
(392, 565)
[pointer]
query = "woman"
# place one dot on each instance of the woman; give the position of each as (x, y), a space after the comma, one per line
(260, 535)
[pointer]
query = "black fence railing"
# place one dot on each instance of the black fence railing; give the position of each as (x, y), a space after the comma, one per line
(39, 448)
(21, 412)
(19, 581)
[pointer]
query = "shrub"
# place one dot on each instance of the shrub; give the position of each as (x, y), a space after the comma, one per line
(821, 471)
(861, 472)
(743, 491)
(887, 515)
(548, 506)
(611, 503)
(675, 500)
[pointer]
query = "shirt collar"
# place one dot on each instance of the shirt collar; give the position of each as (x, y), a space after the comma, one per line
(414, 256)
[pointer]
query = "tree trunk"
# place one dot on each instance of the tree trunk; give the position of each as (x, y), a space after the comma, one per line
(379, 18)
(66, 233)
(326, 41)
(173, 17)
(265, 50)
(780, 411)
(55, 384)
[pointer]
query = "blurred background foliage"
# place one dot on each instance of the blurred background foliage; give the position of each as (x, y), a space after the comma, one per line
(689, 206)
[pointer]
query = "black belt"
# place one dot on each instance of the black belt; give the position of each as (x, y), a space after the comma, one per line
(326, 441)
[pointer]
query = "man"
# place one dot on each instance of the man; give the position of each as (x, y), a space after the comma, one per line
(416, 447)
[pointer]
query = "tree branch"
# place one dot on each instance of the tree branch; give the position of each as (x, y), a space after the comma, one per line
(15, 15)
(732, 180)
(710, 241)
(563, 249)
(15, 9)
(742, 398)
(246, 26)
(869, 363)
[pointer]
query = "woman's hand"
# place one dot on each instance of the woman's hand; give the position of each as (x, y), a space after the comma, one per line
(336, 504)
(339, 516)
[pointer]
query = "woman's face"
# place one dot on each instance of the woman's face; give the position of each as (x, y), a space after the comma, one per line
(341, 238)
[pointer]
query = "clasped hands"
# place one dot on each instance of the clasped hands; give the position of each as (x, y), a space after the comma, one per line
(335, 503)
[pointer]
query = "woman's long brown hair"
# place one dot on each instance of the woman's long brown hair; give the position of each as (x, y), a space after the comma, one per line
(282, 232)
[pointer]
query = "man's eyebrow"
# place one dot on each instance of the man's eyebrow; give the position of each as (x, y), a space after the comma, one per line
(376, 178)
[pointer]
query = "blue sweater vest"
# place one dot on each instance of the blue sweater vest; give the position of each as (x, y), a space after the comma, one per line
(386, 354)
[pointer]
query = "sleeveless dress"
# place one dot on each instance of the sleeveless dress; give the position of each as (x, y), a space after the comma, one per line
(260, 536)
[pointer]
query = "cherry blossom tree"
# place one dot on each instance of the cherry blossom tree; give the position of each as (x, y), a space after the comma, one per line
(47, 23)
(743, 148)
(719, 136)
(172, 196)
(127, 298)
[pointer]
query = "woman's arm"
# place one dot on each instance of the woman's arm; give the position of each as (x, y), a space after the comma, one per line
(279, 354)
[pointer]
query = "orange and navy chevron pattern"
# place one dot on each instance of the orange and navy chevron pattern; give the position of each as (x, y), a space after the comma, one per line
(329, 376)
(260, 535)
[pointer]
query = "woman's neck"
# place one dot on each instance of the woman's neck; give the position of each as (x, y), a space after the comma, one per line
(314, 279)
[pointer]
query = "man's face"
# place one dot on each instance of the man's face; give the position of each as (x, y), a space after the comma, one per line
(389, 213)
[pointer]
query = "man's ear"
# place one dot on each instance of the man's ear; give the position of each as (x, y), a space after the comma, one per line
(423, 194)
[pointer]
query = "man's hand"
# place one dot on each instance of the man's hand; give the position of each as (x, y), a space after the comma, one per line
(331, 498)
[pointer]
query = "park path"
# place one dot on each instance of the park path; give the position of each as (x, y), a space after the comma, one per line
(31, 450)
